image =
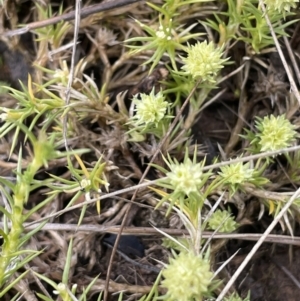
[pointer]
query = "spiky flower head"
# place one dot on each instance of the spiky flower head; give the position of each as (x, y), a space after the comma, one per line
(274, 133)
(150, 108)
(187, 276)
(223, 221)
(280, 6)
(236, 173)
(185, 177)
(184, 181)
(234, 176)
(203, 61)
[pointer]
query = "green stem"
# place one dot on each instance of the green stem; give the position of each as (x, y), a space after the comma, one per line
(12, 242)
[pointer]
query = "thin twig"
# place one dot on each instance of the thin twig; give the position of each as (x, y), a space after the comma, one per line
(71, 73)
(85, 12)
(149, 231)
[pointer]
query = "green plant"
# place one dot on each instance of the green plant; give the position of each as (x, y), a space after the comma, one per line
(44, 149)
(222, 221)
(203, 61)
(234, 176)
(52, 34)
(165, 37)
(185, 191)
(150, 115)
(62, 288)
(245, 21)
(282, 6)
(85, 182)
(273, 133)
(195, 277)
(122, 134)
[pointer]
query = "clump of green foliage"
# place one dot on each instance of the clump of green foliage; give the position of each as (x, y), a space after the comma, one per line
(186, 186)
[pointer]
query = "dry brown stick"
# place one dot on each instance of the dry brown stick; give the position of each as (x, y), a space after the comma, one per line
(85, 12)
(119, 287)
(145, 231)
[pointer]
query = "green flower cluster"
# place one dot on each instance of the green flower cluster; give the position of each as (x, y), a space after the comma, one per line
(274, 133)
(187, 276)
(280, 5)
(237, 173)
(203, 61)
(185, 181)
(185, 177)
(223, 221)
(149, 109)
(150, 116)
